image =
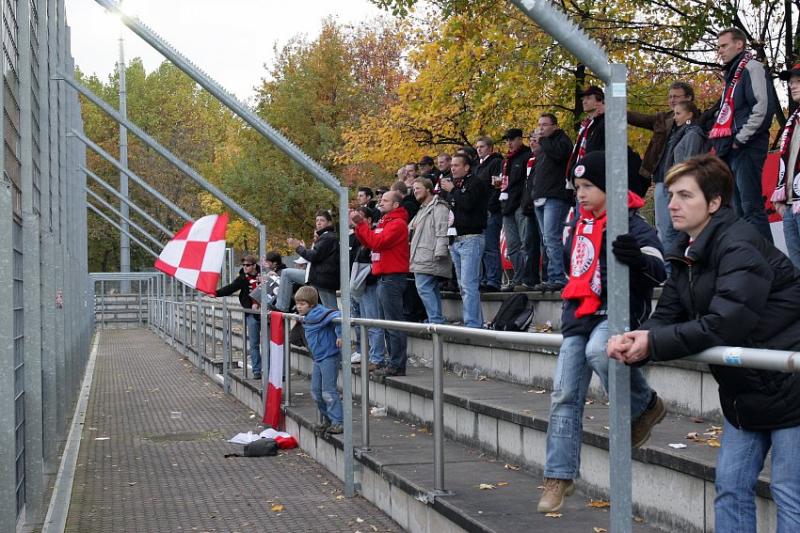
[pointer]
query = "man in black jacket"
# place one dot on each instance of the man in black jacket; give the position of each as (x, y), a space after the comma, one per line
(514, 223)
(551, 198)
(490, 164)
(245, 283)
(467, 196)
(323, 258)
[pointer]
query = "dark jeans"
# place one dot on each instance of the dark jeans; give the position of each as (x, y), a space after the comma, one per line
(533, 252)
(390, 297)
(746, 165)
(492, 266)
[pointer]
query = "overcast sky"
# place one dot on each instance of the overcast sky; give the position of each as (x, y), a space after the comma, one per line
(229, 39)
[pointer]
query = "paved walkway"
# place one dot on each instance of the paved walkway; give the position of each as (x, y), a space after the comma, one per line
(151, 457)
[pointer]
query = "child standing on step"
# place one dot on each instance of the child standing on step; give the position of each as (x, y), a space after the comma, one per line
(585, 325)
(324, 338)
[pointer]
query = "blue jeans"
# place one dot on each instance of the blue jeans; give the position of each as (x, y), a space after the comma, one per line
(578, 357)
(791, 232)
(492, 266)
(327, 297)
(289, 277)
(428, 290)
(514, 227)
(533, 252)
(324, 391)
(253, 325)
(467, 251)
(390, 298)
(741, 458)
(666, 232)
(746, 165)
(552, 217)
(371, 309)
(355, 312)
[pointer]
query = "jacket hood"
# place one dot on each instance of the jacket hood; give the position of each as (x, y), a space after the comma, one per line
(320, 315)
(326, 229)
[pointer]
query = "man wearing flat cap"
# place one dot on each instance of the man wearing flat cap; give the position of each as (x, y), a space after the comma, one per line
(786, 197)
(514, 171)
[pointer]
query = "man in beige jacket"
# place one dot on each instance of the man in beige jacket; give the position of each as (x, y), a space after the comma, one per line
(430, 258)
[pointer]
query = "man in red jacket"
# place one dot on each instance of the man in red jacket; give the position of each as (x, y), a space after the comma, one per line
(390, 253)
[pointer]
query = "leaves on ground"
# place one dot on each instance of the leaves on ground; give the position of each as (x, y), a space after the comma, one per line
(277, 508)
(554, 515)
(486, 486)
(598, 504)
(508, 466)
(501, 483)
(599, 530)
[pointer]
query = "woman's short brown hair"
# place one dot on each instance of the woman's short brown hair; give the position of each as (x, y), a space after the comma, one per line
(711, 174)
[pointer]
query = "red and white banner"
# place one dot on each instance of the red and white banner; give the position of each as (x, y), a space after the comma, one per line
(272, 403)
(196, 253)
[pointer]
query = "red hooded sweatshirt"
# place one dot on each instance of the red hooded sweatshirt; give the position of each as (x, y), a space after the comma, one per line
(388, 242)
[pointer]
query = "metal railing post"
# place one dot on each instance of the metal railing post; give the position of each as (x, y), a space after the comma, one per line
(226, 345)
(245, 343)
(213, 332)
(364, 388)
(139, 305)
(287, 362)
(438, 414)
(103, 304)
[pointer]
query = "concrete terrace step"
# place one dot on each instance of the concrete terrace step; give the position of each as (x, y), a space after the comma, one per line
(687, 387)
(510, 421)
(397, 475)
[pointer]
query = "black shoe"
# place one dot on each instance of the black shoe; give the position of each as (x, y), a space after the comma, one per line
(554, 286)
(257, 375)
(389, 372)
(508, 288)
(489, 288)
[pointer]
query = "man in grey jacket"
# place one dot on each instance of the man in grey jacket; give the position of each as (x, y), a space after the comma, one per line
(430, 256)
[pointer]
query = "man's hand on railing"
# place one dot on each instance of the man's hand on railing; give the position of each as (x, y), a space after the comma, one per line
(630, 347)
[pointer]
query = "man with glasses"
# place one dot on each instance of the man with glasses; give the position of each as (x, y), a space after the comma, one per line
(245, 283)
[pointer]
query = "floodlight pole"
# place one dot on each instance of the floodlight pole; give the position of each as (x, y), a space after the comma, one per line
(124, 242)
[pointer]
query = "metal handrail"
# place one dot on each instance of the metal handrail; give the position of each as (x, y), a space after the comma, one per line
(780, 360)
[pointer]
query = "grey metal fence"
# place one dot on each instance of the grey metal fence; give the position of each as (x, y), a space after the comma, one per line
(46, 319)
(169, 318)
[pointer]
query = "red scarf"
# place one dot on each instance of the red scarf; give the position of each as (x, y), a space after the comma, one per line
(585, 282)
(531, 164)
(782, 189)
(724, 124)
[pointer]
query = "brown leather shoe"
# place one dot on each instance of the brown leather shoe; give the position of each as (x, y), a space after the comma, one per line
(555, 490)
(643, 426)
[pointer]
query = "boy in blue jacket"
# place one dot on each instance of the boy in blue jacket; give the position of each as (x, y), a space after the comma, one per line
(324, 338)
(584, 325)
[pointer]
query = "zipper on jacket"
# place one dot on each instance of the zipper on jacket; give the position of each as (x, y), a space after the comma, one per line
(691, 291)
(736, 412)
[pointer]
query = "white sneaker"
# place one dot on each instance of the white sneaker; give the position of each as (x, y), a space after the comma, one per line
(355, 358)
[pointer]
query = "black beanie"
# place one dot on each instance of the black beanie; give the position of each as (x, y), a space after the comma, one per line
(593, 168)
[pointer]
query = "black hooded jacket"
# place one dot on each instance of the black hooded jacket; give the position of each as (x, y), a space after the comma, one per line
(244, 284)
(323, 260)
(733, 289)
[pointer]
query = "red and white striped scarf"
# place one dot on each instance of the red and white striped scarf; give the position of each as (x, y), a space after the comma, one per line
(781, 189)
(724, 125)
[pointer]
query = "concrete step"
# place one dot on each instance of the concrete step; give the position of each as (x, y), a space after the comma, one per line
(509, 423)
(396, 474)
(687, 387)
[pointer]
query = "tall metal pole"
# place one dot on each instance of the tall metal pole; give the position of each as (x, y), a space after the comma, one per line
(124, 241)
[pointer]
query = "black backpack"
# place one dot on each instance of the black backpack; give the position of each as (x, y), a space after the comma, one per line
(515, 314)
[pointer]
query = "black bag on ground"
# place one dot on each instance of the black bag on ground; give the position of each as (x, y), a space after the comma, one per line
(260, 448)
(515, 314)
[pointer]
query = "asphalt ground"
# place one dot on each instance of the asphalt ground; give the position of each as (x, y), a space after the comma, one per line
(152, 456)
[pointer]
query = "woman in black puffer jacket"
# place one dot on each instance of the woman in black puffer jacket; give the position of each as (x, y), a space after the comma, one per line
(730, 287)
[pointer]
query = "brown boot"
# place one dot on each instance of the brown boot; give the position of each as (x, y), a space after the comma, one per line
(643, 426)
(555, 490)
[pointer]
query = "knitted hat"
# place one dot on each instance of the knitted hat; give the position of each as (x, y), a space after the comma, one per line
(593, 168)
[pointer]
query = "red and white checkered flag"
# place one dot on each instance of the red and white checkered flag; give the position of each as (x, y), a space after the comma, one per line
(196, 253)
